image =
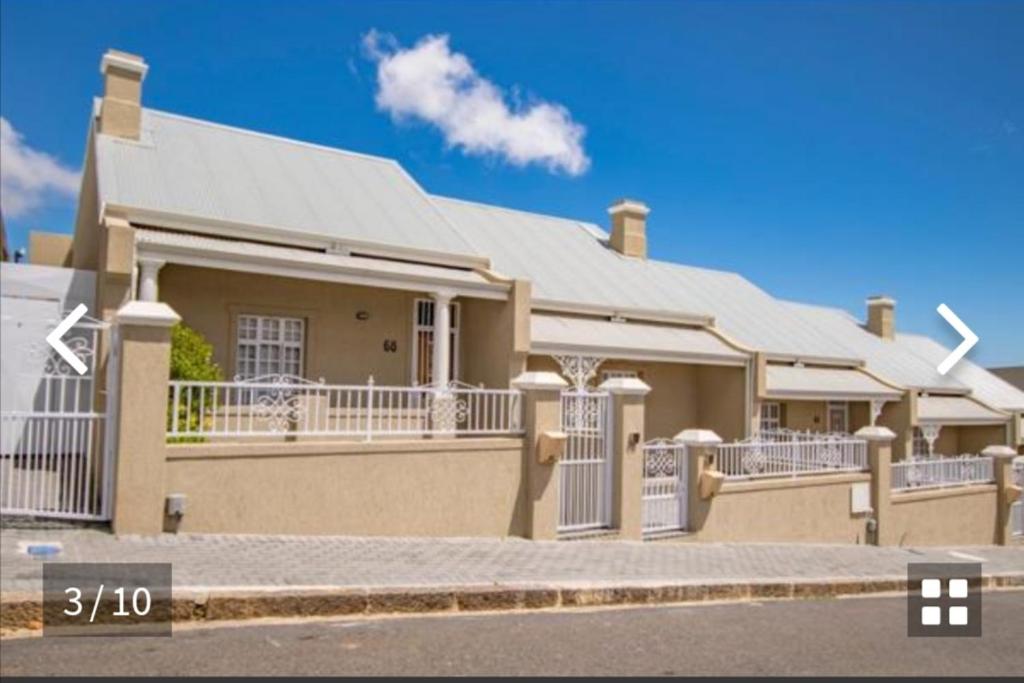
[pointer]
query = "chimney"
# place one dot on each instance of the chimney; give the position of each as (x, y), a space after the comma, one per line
(629, 227)
(121, 111)
(882, 316)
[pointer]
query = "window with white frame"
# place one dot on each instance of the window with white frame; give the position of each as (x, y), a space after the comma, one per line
(269, 345)
(771, 416)
(618, 374)
(423, 341)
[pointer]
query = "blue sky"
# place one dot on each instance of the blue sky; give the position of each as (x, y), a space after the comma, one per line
(825, 150)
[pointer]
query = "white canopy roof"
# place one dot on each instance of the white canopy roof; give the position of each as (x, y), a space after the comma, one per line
(953, 410)
(553, 334)
(846, 384)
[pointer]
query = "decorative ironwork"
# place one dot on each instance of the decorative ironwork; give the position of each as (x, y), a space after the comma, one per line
(876, 409)
(582, 414)
(660, 460)
(447, 411)
(754, 460)
(930, 431)
(830, 455)
(579, 370)
(279, 409)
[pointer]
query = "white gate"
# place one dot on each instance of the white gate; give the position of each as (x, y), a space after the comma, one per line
(665, 486)
(53, 461)
(585, 475)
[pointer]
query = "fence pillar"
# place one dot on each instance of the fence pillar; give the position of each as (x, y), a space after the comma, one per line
(1008, 490)
(700, 453)
(880, 463)
(542, 400)
(140, 423)
(627, 438)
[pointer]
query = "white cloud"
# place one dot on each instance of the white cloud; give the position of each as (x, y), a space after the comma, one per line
(27, 176)
(431, 83)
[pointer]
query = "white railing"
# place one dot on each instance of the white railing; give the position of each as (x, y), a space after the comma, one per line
(50, 465)
(1017, 509)
(789, 435)
(281, 404)
(918, 473)
(764, 457)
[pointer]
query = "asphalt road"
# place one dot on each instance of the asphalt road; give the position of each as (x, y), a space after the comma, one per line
(863, 636)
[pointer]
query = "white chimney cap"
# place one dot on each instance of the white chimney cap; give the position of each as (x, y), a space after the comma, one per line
(123, 61)
(631, 205)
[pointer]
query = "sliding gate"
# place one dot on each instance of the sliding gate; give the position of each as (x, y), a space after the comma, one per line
(585, 475)
(53, 458)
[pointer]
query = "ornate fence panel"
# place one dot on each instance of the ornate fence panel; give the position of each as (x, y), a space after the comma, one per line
(806, 454)
(52, 457)
(664, 486)
(585, 476)
(918, 473)
(283, 404)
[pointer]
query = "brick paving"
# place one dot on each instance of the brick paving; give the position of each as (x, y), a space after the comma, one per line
(238, 561)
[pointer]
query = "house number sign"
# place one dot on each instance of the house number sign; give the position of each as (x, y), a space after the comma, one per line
(390, 345)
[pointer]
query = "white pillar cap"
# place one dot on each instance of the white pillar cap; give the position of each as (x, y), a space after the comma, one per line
(147, 314)
(999, 451)
(698, 437)
(875, 433)
(539, 381)
(625, 386)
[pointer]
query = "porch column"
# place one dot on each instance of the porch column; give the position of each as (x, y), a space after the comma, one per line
(441, 370)
(543, 446)
(139, 416)
(1008, 493)
(880, 463)
(149, 269)
(627, 452)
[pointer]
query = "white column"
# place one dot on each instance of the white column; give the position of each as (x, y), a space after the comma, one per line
(442, 338)
(149, 268)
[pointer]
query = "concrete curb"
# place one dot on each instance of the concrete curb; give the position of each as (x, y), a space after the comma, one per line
(24, 611)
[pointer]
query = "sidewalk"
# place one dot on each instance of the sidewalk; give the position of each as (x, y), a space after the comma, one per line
(206, 566)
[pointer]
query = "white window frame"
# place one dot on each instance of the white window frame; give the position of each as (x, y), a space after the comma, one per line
(428, 329)
(836, 406)
(259, 342)
(768, 421)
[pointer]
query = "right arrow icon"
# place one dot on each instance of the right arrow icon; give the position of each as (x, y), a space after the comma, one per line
(970, 339)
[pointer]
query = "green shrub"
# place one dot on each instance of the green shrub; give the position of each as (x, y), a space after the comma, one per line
(191, 360)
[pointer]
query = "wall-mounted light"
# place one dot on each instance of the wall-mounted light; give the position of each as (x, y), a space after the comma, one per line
(362, 315)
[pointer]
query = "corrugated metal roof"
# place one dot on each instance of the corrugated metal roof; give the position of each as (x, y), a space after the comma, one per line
(193, 168)
(788, 381)
(569, 261)
(985, 386)
(956, 410)
(887, 359)
(563, 334)
(249, 256)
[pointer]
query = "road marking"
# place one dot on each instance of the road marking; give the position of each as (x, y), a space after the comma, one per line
(970, 339)
(53, 339)
(965, 556)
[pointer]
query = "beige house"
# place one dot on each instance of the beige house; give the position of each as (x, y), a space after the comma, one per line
(403, 363)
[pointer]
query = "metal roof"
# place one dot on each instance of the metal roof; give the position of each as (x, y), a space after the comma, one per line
(986, 386)
(956, 410)
(887, 359)
(569, 262)
(553, 334)
(191, 168)
(788, 381)
(307, 264)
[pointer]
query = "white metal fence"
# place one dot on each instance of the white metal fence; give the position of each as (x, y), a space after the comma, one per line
(280, 404)
(771, 456)
(53, 460)
(918, 473)
(664, 486)
(585, 478)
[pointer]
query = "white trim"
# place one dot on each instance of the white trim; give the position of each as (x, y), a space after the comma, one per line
(281, 343)
(268, 233)
(635, 314)
(831, 406)
(762, 421)
(131, 63)
(544, 349)
(146, 314)
(359, 271)
(836, 397)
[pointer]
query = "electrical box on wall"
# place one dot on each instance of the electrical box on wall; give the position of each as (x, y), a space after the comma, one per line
(860, 498)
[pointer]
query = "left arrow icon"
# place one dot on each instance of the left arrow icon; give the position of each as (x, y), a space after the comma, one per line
(53, 339)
